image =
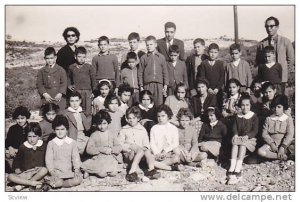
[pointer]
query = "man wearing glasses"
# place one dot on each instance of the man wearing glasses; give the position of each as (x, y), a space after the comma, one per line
(284, 50)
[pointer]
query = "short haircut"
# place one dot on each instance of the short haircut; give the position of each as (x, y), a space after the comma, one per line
(131, 55)
(170, 25)
(49, 107)
(150, 38)
(73, 29)
(35, 128)
(215, 111)
(244, 96)
(135, 110)
(100, 116)
(256, 80)
(272, 18)
(125, 87)
(166, 109)
(269, 49)
(49, 51)
(267, 85)
(213, 46)
(203, 81)
(199, 40)
(180, 84)
(145, 92)
(23, 111)
(80, 50)
(173, 49)
(133, 35)
(109, 98)
(184, 112)
(235, 46)
(60, 120)
(74, 94)
(280, 100)
(233, 80)
(103, 38)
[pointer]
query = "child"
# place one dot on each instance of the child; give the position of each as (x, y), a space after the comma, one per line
(16, 134)
(278, 131)
(192, 63)
(106, 64)
(62, 157)
(104, 147)
(212, 134)
(256, 91)
(52, 80)
(177, 101)
(135, 145)
(81, 78)
(238, 69)
(148, 110)
(125, 92)
(49, 112)
(153, 72)
(129, 76)
(271, 70)
(176, 70)
(164, 141)
(79, 124)
(245, 129)
(214, 71)
(188, 143)
(104, 88)
(233, 96)
(29, 164)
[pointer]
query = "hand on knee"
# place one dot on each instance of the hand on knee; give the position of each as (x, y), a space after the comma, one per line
(262, 152)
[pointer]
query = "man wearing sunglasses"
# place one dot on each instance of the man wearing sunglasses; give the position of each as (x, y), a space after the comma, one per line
(284, 50)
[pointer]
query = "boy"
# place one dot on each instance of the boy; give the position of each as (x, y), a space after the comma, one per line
(153, 72)
(238, 69)
(29, 164)
(78, 122)
(106, 64)
(176, 70)
(135, 145)
(52, 80)
(271, 70)
(129, 76)
(81, 78)
(192, 63)
(125, 92)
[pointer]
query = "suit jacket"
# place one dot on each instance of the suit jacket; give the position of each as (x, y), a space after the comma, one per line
(284, 51)
(162, 48)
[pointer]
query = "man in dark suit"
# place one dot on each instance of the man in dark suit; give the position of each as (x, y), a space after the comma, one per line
(164, 43)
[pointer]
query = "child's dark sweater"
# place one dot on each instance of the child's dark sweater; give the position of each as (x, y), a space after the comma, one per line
(209, 133)
(16, 135)
(272, 74)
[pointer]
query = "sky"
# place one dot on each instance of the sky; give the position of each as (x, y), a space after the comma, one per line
(46, 23)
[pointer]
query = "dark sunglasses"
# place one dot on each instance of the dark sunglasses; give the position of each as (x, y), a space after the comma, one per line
(271, 26)
(71, 35)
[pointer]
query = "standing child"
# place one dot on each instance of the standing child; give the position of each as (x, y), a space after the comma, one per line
(104, 88)
(164, 141)
(49, 112)
(81, 78)
(29, 164)
(153, 72)
(104, 147)
(52, 80)
(62, 157)
(238, 69)
(233, 96)
(245, 129)
(135, 145)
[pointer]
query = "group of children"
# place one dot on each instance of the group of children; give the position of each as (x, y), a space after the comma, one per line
(165, 113)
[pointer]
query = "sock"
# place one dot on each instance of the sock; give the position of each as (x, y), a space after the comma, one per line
(232, 165)
(238, 166)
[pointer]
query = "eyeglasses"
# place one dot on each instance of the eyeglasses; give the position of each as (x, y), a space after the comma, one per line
(71, 35)
(271, 26)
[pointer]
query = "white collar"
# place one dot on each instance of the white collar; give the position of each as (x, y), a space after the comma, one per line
(170, 42)
(144, 108)
(269, 65)
(60, 142)
(174, 63)
(236, 63)
(213, 124)
(70, 109)
(236, 96)
(283, 117)
(246, 116)
(38, 144)
(137, 126)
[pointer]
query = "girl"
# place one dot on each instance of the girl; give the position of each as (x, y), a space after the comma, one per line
(245, 129)
(104, 88)
(62, 157)
(49, 112)
(233, 95)
(177, 101)
(104, 147)
(278, 131)
(164, 141)
(256, 91)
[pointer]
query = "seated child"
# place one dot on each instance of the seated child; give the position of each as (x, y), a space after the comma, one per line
(125, 92)
(278, 131)
(188, 143)
(245, 129)
(164, 141)
(29, 163)
(49, 112)
(233, 96)
(135, 145)
(103, 89)
(256, 92)
(104, 147)
(62, 157)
